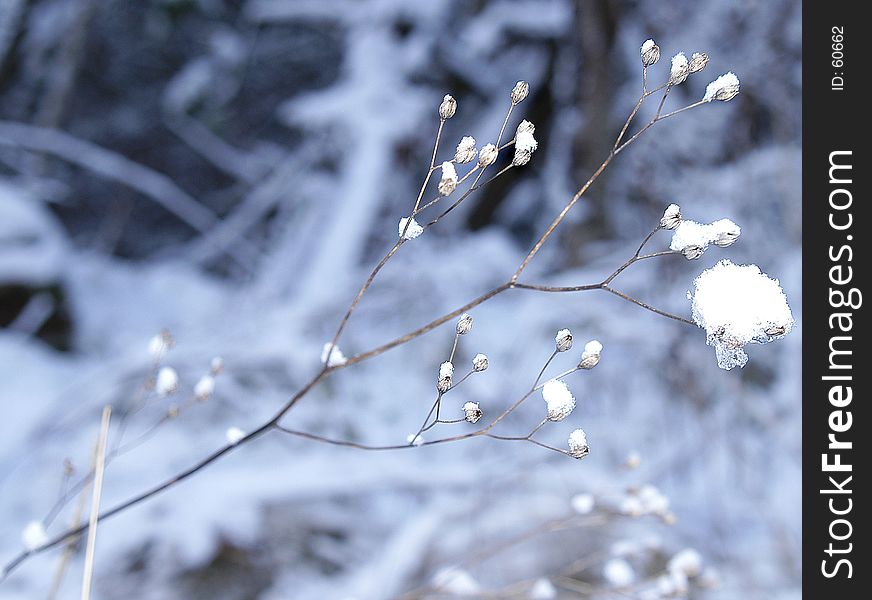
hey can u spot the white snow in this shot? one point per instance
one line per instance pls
(448, 181)
(446, 370)
(34, 535)
(542, 589)
(337, 358)
(563, 339)
(647, 45)
(204, 387)
(234, 435)
(687, 562)
(167, 381)
(559, 401)
(738, 305)
(618, 572)
(412, 232)
(583, 504)
(525, 141)
(480, 362)
(456, 581)
(690, 236)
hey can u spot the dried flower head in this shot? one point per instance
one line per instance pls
(464, 324)
(465, 151)
(650, 53)
(519, 92)
(698, 61)
(671, 217)
(687, 562)
(472, 412)
(525, 126)
(724, 88)
(559, 401)
(448, 182)
(563, 340)
(446, 373)
(448, 107)
(578, 444)
(726, 232)
(692, 251)
(618, 572)
(412, 231)
(591, 355)
(479, 363)
(583, 504)
(167, 381)
(679, 70)
(487, 156)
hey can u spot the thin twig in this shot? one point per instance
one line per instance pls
(99, 464)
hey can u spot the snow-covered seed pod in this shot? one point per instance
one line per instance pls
(479, 363)
(487, 155)
(650, 53)
(577, 441)
(698, 61)
(679, 70)
(216, 365)
(34, 535)
(472, 412)
(519, 92)
(160, 344)
(446, 373)
(464, 324)
(671, 217)
(448, 107)
(591, 355)
(563, 340)
(465, 151)
(724, 88)
(448, 182)
(525, 144)
(559, 401)
(726, 232)
(167, 381)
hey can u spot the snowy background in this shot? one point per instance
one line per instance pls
(231, 170)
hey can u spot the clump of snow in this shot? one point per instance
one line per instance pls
(583, 503)
(525, 143)
(167, 381)
(34, 535)
(456, 581)
(688, 562)
(336, 357)
(205, 387)
(724, 88)
(542, 589)
(558, 400)
(412, 232)
(692, 238)
(234, 435)
(618, 572)
(739, 305)
(415, 440)
(446, 370)
(160, 345)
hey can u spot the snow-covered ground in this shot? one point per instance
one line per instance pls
(230, 173)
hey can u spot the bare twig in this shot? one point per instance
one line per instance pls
(99, 463)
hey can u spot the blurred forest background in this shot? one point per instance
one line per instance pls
(231, 170)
